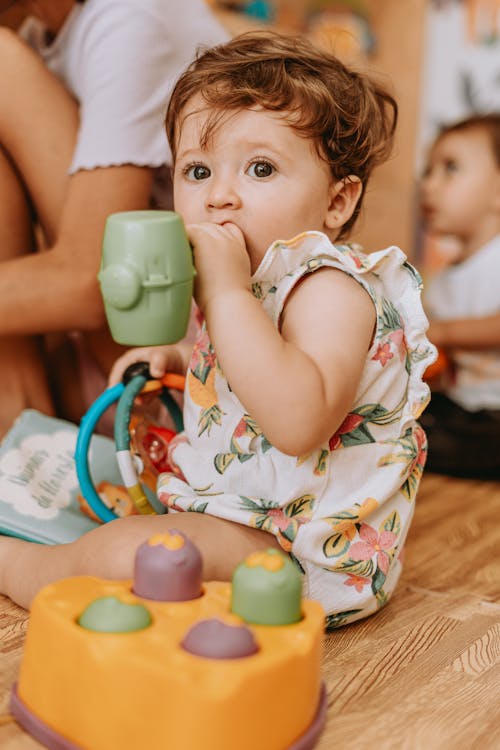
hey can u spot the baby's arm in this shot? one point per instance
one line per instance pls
(298, 384)
(466, 333)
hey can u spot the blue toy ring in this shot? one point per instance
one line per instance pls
(87, 426)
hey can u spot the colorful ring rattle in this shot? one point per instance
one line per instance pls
(136, 380)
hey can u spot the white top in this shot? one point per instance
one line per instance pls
(120, 59)
(342, 511)
(471, 289)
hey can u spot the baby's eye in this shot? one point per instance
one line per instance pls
(260, 169)
(196, 172)
(450, 166)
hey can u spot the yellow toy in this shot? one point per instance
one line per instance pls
(168, 662)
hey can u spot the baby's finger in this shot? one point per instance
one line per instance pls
(158, 363)
(234, 231)
(197, 232)
(121, 364)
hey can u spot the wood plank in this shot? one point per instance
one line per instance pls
(433, 684)
(13, 624)
(454, 541)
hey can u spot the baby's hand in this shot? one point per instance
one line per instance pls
(220, 258)
(159, 358)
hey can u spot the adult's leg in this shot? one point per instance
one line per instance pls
(109, 550)
(38, 125)
(23, 380)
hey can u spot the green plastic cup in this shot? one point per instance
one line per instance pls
(146, 277)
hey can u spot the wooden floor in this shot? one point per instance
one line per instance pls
(422, 674)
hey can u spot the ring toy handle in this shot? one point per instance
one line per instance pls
(87, 427)
(122, 442)
(125, 395)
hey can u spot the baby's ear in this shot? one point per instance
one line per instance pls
(344, 196)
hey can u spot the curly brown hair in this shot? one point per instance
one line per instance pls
(350, 118)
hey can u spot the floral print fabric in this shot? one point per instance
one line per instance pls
(343, 511)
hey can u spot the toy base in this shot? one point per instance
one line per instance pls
(54, 741)
(35, 726)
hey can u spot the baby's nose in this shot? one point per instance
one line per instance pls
(222, 194)
(427, 183)
(430, 176)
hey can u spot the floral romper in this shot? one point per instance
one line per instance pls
(343, 511)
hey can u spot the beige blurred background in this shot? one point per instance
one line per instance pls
(398, 28)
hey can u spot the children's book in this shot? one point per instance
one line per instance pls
(39, 491)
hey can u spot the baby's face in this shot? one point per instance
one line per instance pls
(461, 187)
(255, 172)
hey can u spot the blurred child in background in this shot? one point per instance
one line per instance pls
(461, 199)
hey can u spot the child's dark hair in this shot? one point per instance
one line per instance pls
(350, 118)
(489, 123)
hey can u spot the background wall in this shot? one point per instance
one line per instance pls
(389, 214)
(398, 26)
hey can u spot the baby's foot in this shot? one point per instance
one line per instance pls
(9, 549)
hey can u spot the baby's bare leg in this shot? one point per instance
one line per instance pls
(108, 551)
